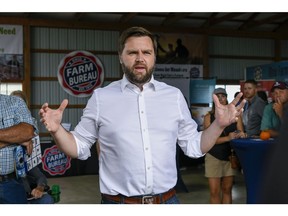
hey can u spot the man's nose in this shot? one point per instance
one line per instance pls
(139, 58)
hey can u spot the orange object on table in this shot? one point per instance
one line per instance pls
(265, 135)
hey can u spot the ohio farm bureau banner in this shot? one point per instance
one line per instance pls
(79, 73)
(11, 52)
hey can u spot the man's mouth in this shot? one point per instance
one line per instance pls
(140, 68)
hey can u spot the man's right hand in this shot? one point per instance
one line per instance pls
(278, 107)
(29, 146)
(52, 118)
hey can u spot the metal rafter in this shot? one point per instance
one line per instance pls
(126, 17)
(224, 18)
(174, 17)
(248, 21)
(267, 20)
(282, 27)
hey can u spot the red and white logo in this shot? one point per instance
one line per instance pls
(80, 72)
(55, 162)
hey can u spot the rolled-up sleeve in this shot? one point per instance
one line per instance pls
(83, 148)
(86, 132)
(189, 139)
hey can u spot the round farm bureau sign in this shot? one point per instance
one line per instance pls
(55, 162)
(80, 72)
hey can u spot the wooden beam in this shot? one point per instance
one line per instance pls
(282, 27)
(223, 18)
(127, 17)
(248, 21)
(242, 57)
(267, 20)
(78, 16)
(209, 20)
(174, 17)
(66, 51)
(27, 62)
(121, 26)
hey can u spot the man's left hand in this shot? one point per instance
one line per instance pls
(228, 114)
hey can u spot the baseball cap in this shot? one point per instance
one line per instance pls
(280, 85)
(220, 91)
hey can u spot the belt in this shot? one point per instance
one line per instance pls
(146, 199)
(4, 178)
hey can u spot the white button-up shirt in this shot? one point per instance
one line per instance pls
(138, 132)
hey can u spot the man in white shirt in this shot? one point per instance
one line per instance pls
(138, 137)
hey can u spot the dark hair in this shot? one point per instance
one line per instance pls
(251, 81)
(263, 95)
(179, 41)
(135, 32)
(19, 93)
(236, 93)
(212, 111)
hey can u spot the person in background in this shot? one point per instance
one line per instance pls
(235, 95)
(181, 51)
(273, 112)
(263, 96)
(22, 95)
(16, 128)
(35, 182)
(273, 185)
(36, 187)
(159, 48)
(217, 165)
(137, 139)
(171, 53)
(252, 115)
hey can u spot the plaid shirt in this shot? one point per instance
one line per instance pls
(13, 111)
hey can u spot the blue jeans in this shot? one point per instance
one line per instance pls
(172, 200)
(12, 192)
(45, 199)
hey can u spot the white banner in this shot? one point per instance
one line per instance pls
(178, 75)
(11, 39)
(11, 52)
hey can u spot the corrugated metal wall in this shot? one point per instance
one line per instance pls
(232, 68)
(241, 46)
(229, 68)
(284, 49)
(45, 64)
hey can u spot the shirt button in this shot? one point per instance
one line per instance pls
(148, 168)
(142, 112)
(146, 149)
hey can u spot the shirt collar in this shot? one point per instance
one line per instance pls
(254, 99)
(152, 84)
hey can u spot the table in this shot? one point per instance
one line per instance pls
(252, 157)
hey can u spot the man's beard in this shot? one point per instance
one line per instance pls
(140, 80)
